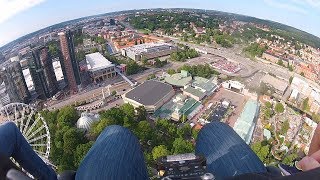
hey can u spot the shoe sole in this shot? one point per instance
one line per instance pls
(283, 171)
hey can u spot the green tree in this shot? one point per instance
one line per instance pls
(267, 113)
(53, 49)
(265, 150)
(255, 49)
(144, 130)
(268, 104)
(80, 55)
(99, 40)
(280, 62)
(184, 131)
(115, 115)
(98, 127)
(260, 150)
(159, 151)
(290, 79)
(133, 68)
(71, 139)
(302, 74)
(285, 127)
(151, 76)
(171, 71)
(67, 116)
(128, 110)
(256, 147)
(316, 117)
(93, 50)
(305, 104)
(195, 133)
(289, 160)
(81, 151)
(279, 108)
(141, 113)
(66, 163)
(181, 146)
(113, 93)
(144, 60)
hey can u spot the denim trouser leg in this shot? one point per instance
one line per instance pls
(115, 155)
(226, 153)
(13, 144)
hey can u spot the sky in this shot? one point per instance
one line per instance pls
(21, 17)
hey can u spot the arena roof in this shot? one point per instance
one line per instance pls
(150, 92)
(96, 61)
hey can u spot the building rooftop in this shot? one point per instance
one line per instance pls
(193, 91)
(179, 79)
(150, 92)
(149, 47)
(96, 61)
(275, 82)
(203, 83)
(245, 124)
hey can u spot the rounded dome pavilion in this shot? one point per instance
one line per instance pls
(86, 120)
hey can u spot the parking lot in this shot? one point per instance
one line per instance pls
(235, 99)
(226, 66)
(253, 82)
(218, 113)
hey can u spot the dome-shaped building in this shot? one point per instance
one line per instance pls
(86, 119)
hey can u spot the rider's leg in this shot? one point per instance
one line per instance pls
(226, 153)
(13, 144)
(315, 142)
(115, 155)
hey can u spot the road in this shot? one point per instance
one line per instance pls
(252, 66)
(97, 93)
(232, 54)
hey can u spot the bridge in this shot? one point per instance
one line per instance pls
(125, 78)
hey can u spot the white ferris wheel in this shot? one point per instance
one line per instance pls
(31, 124)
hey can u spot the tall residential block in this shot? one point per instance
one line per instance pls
(71, 66)
(42, 72)
(13, 87)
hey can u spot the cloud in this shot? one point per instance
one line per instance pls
(313, 3)
(287, 6)
(9, 8)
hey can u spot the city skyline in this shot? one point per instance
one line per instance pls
(33, 15)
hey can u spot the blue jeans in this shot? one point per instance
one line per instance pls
(13, 144)
(117, 155)
(226, 153)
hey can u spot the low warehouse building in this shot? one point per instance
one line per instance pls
(148, 51)
(151, 94)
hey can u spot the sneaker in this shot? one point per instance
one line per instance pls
(288, 170)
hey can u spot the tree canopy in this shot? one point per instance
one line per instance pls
(199, 70)
(181, 146)
(255, 49)
(184, 54)
(70, 145)
(279, 108)
(261, 151)
(159, 151)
